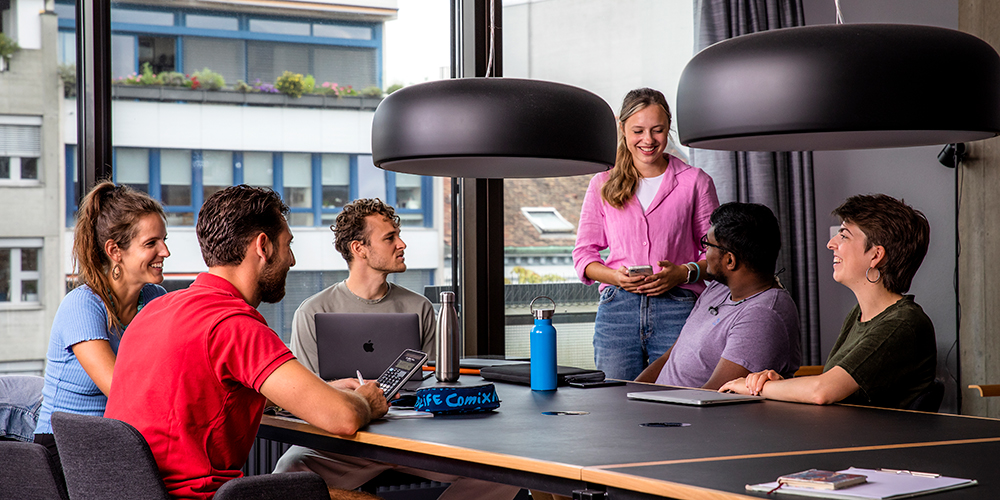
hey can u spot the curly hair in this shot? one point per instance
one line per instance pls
(231, 218)
(351, 226)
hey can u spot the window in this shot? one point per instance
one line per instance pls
(297, 188)
(176, 192)
(342, 31)
(158, 52)
(212, 22)
(279, 27)
(548, 221)
(131, 167)
(19, 270)
(20, 149)
(220, 55)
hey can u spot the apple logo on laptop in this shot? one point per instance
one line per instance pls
(369, 346)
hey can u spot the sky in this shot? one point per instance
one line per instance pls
(417, 47)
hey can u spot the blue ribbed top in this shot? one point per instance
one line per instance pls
(81, 317)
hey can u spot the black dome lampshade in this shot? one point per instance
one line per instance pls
(493, 128)
(843, 86)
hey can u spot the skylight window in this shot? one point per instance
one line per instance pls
(548, 221)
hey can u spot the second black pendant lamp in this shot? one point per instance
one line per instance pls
(843, 86)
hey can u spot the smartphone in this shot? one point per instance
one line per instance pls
(409, 363)
(599, 383)
(640, 270)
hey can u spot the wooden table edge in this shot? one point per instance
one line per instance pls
(658, 487)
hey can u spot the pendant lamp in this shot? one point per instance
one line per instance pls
(843, 86)
(493, 128)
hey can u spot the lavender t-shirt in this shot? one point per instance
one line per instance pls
(759, 333)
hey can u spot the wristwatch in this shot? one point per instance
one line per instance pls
(691, 270)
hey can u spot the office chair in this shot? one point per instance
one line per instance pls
(930, 399)
(28, 473)
(104, 458)
(987, 390)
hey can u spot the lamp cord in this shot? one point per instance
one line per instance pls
(840, 15)
(489, 60)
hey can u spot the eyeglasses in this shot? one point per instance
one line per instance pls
(705, 244)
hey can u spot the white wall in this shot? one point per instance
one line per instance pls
(912, 174)
(607, 47)
(27, 26)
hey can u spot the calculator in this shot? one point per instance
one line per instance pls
(400, 371)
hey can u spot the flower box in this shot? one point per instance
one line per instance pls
(175, 94)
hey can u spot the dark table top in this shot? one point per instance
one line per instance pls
(608, 437)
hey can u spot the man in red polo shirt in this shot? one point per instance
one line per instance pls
(195, 366)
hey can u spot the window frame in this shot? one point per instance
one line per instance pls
(18, 275)
(479, 288)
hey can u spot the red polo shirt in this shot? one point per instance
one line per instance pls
(187, 377)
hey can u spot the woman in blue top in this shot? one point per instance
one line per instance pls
(118, 249)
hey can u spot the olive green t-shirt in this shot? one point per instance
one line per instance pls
(892, 357)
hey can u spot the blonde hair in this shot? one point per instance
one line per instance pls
(108, 212)
(621, 184)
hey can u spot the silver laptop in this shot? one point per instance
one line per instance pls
(369, 342)
(694, 397)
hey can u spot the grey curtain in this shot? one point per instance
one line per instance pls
(782, 181)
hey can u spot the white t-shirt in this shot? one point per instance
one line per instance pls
(647, 189)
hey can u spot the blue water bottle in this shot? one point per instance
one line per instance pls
(543, 348)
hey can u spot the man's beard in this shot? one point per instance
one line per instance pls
(720, 278)
(271, 283)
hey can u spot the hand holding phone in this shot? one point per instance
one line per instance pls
(640, 271)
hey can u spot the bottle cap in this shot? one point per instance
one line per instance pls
(447, 297)
(542, 313)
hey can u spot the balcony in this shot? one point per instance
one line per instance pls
(180, 94)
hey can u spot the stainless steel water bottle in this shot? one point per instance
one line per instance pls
(448, 341)
(543, 348)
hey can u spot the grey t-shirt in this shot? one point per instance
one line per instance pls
(759, 333)
(338, 298)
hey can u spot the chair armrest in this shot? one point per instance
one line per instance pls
(807, 370)
(987, 391)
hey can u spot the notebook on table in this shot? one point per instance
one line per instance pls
(520, 373)
(694, 397)
(367, 342)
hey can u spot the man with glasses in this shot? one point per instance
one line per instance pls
(744, 321)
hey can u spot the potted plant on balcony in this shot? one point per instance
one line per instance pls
(7, 49)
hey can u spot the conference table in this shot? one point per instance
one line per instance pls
(594, 441)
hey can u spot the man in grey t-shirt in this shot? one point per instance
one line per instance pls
(367, 236)
(744, 321)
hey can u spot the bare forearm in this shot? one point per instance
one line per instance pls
(601, 273)
(825, 389)
(652, 372)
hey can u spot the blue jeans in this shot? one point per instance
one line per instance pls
(631, 329)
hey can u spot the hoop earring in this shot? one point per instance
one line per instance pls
(876, 280)
(116, 272)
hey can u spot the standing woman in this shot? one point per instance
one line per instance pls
(651, 209)
(118, 248)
